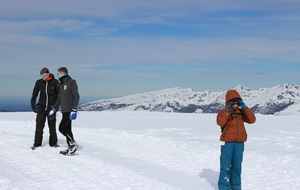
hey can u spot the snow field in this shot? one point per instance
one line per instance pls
(145, 150)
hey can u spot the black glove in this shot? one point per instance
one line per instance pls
(35, 108)
(52, 114)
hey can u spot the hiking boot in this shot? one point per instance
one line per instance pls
(34, 146)
(73, 147)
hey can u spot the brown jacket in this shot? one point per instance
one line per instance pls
(233, 129)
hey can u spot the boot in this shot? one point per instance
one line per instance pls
(72, 147)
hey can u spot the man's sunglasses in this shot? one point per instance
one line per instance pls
(45, 74)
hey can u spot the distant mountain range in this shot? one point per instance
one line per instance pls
(278, 100)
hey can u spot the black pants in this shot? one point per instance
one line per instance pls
(65, 127)
(39, 128)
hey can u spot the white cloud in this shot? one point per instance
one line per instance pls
(19, 41)
(123, 51)
(87, 35)
(35, 26)
(120, 8)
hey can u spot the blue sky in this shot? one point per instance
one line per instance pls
(116, 48)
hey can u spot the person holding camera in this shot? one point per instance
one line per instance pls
(47, 88)
(231, 119)
(68, 101)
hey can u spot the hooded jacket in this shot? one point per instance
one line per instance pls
(68, 96)
(47, 91)
(232, 125)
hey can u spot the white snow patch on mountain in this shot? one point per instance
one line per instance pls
(278, 100)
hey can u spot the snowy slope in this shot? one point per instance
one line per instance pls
(278, 100)
(146, 151)
(167, 100)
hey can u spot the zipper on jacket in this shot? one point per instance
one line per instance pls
(46, 95)
(237, 128)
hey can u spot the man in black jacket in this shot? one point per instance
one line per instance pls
(68, 101)
(47, 88)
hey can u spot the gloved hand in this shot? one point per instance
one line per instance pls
(73, 114)
(242, 104)
(52, 113)
(35, 108)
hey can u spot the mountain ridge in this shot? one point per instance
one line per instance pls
(278, 100)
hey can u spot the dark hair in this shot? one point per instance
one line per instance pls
(63, 70)
(44, 70)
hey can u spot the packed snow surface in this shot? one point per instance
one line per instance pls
(146, 151)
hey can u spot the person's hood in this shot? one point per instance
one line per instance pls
(232, 94)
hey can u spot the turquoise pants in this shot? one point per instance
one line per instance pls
(231, 166)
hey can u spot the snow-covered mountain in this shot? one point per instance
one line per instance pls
(278, 100)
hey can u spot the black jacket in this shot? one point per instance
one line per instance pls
(68, 96)
(47, 91)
